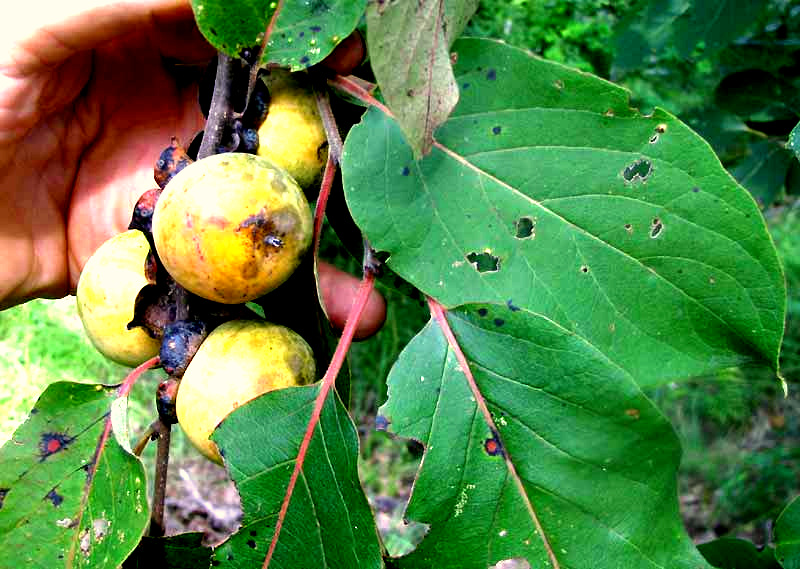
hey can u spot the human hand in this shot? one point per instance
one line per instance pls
(86, 104)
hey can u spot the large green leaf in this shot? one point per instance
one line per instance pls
(763, 171)
(733, 553)
(409, 48)
(787, 536)
(305, 31)
(682, 24)
(52, 514)
(794, 141)
(547, 192)
(596, 460)
(181, 551)
(329, 522)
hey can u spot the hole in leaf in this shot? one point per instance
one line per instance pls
(654, 139)
(584, 269)
(662, 128)
(629, 228)
(525, 227)
(513, 563)
(559, 84)
(640, 169)
(484, 262)
(656, 228)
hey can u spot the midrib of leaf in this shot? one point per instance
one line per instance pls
(483, 173)
(438, 313)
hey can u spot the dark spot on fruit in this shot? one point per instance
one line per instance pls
(381, 423)
(406, 171)
(497, 130)
(3, 493)
(51, 443)
(251, 544)
(482, 312)
(639, 170)
(511, 306)
(484, 262)
(56, 498)
(491, 75)
(499, 322)
(274, 241)
(492, 446)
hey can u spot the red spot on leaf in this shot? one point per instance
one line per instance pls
(51, 443)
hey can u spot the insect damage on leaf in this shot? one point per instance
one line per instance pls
(484, 262)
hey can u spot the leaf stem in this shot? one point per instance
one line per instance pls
(353, 318)
(329, 124)
(353, 89)
(438, 313)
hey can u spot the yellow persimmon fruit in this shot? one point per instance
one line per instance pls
(292, 135)
(107, 289)
(232, 227)
(237, 362)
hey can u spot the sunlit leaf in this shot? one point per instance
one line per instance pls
(596, 462)
(329, 522)
(787, 536)
(52, 512)
(545, 191)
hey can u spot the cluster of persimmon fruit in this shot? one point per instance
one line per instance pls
(215, 234)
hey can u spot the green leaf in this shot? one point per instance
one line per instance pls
(51, 513)
(596, 460)
(732, 553)
(547, 192)
(182, 551)
(329, 522)
(409, 52)
(757, 95)
(304, 34)
(682, 24)
(794, 141)
(787, 536)
(763, 171)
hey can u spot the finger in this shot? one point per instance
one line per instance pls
(339, 290)
(347, 55)
(45, 38)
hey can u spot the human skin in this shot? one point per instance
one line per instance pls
(89, 95)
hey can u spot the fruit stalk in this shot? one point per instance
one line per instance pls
(221, 111)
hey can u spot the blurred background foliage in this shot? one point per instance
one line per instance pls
(730, 69)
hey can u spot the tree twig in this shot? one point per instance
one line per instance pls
(164, 433)
(220, 112)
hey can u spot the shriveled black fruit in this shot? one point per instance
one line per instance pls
(166, 394)
(142, 218)
(248, 141)
(172, 160)
(153, 310)
(181, 342)
(257, 108)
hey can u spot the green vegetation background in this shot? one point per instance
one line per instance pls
(740, 434)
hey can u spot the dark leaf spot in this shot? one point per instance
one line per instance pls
(499, 322)
(654, 139)
(695, 190)
(254, 533)
(662, 128)
(482, 312)
(406, 171)
(34, 411)
(491, 75)
(525, 228)
(484, 262)
(511, 306)
(301, 34)
(51, 443)
(316, 29)
(55, 497)
(640, 169)
(251, 544)
(229, 557)
(493, 446)
(497, 130)
(3, 493)
(381, 423)
(215, 563)
(213, 31)
(304, 59)
(656, 228)
(584, 269)
(465, 86)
